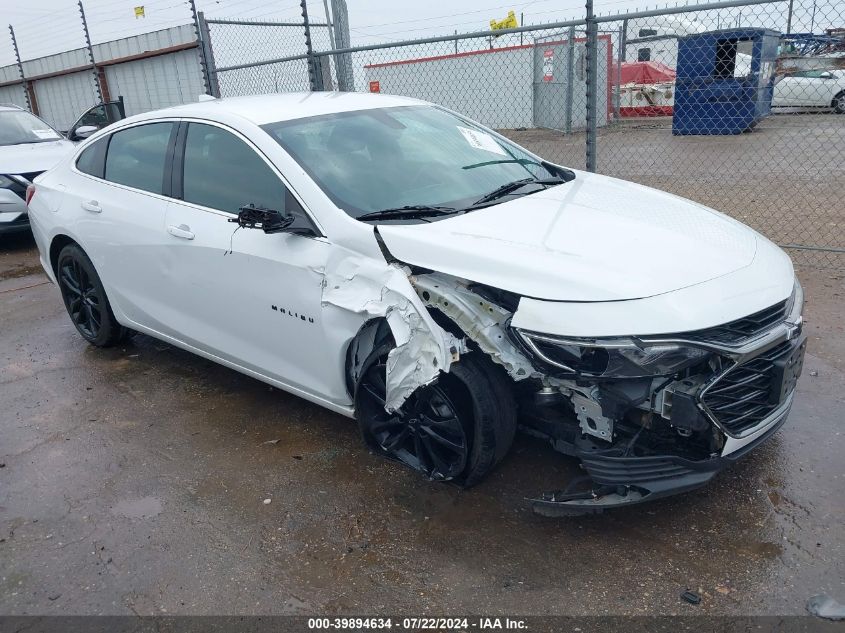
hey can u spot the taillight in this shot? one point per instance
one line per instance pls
(30, 191)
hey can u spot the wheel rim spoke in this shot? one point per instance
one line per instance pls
(441, 468)
(70, 283)
(385, 425)
(394, 441)
(442, 440)
(419, 452)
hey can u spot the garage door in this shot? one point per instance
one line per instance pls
(157, 82)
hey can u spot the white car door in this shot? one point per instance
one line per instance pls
(809, 88)
(249, 297)
(121, 209)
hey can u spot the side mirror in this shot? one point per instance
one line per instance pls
(273, 221)
(825, 75)
(83, 132)
(268, 220)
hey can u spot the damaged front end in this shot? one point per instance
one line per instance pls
(646, 416)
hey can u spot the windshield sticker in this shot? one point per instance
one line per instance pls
(480, 140)
(45, 134)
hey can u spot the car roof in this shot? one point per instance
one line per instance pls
(261, 109)
(9, 107)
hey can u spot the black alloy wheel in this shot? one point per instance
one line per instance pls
(85, 298)
(456, 428)
(427, 433)
(83, 302)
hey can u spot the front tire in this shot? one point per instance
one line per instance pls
(454, 429)
(839, 103)
(85, 298)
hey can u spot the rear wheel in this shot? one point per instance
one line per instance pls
(85, 299)
(457, 428)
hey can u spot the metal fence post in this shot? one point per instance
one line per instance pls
(570, 80)
(91, 53)
(209, 68)
(20, 68)
(592, 85)
(315, 76)
(342, 62)
(198, 35)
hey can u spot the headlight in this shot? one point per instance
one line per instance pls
(795, 305)
(612, 358)
(5, 182)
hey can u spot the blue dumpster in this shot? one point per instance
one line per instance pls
(724, 80)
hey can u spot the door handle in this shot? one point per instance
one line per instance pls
(92, 206)
(183, 231)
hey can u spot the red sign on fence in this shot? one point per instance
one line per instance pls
(375, 87)
(548, 64)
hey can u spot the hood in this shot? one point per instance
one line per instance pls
(593, 239)
(24, 159)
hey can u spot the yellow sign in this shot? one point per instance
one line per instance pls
(139, 12)
(509, 22)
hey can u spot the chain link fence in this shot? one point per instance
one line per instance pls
(260, 57)
(739, 105)
(740, 108)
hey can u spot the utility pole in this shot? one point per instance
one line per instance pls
(91, 54)
(330, 23)
(813, 17)
(20, 68)
(342, 62)
(789, 18)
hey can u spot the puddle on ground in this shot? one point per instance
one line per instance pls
(144, 508)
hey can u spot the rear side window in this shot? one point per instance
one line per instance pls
(92, 160)
(222, 172)
(136, 157)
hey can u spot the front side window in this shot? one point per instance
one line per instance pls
(18, 127)
(136, 156)
(222, 172)
(370, 160)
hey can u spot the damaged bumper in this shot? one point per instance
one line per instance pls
(622, 481)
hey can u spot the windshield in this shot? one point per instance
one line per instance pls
(387, 158)
(18, 127)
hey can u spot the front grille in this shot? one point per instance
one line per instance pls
(30, 176)
(19, 188)
(751, 391)
(614, 471)
(746, 327)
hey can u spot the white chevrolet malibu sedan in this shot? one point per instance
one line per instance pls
(396, 262)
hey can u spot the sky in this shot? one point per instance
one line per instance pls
(48, 26)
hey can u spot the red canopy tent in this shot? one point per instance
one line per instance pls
(644, 73)
(639, 92)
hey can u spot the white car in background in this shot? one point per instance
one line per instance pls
(398, 263)
(29, 146)
(811, 89)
